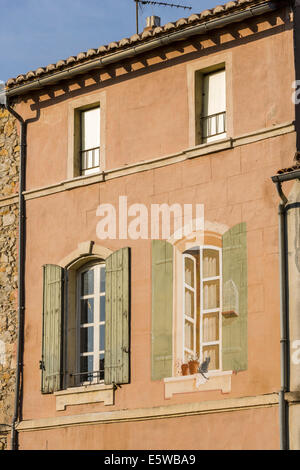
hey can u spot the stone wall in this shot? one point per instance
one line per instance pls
(9, 162)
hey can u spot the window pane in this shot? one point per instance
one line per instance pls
(86, 365)
(189, 335)
(102, 337)
(189, 303)
(210, 327)
(90, 129)
(102, 308)
(87, 282)
(211, 294)
(101, 366)
(214, 87)
(210, 263)
(87, 311)
(189, 267)
(102, 279)
(87, 339)
(213, 353)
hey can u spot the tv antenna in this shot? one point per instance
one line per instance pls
(139, 3)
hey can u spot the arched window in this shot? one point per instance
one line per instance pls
(91, 323)
(200, 301)
(86, 319)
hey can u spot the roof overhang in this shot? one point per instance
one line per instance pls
(133, 51)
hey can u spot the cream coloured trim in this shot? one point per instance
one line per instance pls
(194, 152)
(7, 201)
(84, 395)
(205, 65)
(263, 134)
(81, 103)
(86, 249)
(143, 414)
(292, 397)
(197, 383)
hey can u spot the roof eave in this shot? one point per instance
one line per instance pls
(132, 51)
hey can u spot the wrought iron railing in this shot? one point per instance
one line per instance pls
(90, 159)
(89, 376)
(214, 124)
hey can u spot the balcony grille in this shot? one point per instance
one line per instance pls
(213, 125)
(90, 159)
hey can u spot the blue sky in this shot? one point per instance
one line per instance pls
(35, 33)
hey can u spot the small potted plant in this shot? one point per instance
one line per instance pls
(180, 368)
(193, 364)
(184, 369)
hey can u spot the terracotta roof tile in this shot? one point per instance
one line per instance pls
(123, 42)
(91, 52)
(146, 34)
(71, 60)
(50, 67)
(219, 10)
(181, 22)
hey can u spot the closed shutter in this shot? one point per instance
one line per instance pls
(52, 328)
(235, 299)
(117, 317)
(162, 309)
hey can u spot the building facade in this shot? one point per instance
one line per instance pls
(185, 124)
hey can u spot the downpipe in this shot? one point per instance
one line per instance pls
(21, 275)
(284, 329)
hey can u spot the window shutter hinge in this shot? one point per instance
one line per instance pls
(116, 386)
(42, 365)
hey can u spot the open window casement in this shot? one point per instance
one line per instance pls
(53, 300)
(206, 328)
(162, 309)
(214, 106)
(117, 317)
(117, 324)
(235, 299)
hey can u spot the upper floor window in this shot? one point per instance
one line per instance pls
(214, 106)
(90, 141)
(210, 105)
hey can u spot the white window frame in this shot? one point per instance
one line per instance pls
(214, 310)
(202, 310)
(96, 323)
(218, 117)
(187, 317)
(94, 153)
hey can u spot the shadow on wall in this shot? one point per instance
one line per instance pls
(204, 45)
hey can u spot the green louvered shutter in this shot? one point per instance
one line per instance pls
(117, 317)
(162, 309)
(52, 328)
(235, 299)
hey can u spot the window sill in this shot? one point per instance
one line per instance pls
(209, 147)
(85, 395)
(197, 383)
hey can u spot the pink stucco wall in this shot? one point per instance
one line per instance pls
(147, 117)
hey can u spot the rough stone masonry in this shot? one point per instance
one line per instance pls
(9, 170)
